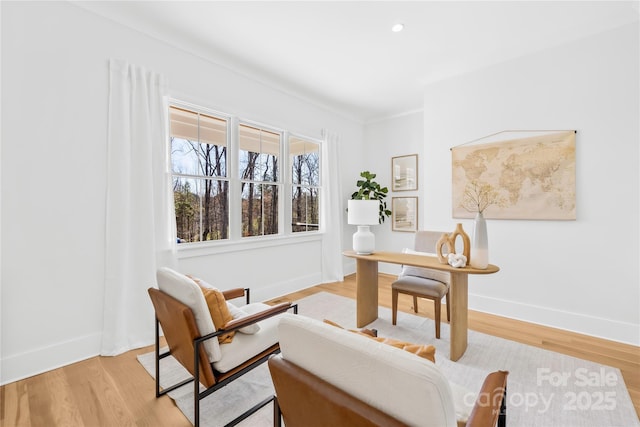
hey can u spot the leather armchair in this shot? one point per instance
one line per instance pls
(181, 310)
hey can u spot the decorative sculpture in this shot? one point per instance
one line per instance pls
(449, 239)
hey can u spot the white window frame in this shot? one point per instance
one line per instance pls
(291, 184)
(279, 179)
(236, 242)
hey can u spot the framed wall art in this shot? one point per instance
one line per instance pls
(404, 173)
(404, 215)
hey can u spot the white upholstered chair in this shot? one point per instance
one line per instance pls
(184, 314)
(422, 282)
(331, 376)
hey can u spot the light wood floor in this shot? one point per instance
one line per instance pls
(116, 391)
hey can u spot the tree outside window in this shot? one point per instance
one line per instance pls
(200, 183)
(259, 150)
(305, 179)
(217, 201)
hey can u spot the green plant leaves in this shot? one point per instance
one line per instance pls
(369, 189)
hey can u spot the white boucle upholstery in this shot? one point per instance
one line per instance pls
(238, 313)
(245, 346)
(410, 388)
(427, 273)
(185, 290)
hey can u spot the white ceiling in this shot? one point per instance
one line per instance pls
(343, 55)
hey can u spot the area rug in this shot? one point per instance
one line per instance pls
(544, 388)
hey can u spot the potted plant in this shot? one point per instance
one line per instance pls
(369, 189)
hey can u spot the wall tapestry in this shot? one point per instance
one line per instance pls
(516, 175)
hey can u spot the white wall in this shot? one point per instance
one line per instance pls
(581, 275)
(395, 136)
(54, 115)
(578, 275)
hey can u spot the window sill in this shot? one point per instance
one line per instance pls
(190, 250)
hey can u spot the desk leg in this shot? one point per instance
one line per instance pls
(366, 292)
(459, 306)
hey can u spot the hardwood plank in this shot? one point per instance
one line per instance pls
(14, 402)
(137, 389)
(51, 401)
(97, 395)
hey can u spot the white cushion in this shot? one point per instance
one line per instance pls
(189, 293)
(463, 401)
(407, 387)
(427, 273)
(246, 310)
(245, 346)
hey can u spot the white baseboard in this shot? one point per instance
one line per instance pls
(24, 365)
(608, 329)
(274, 290)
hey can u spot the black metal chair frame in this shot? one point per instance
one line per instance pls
(218, 385)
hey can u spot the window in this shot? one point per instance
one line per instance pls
(305, 179)
(200, 182)
(237, 180)
(259, 150)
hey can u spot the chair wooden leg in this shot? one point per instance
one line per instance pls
(436, 303)
(415, 304)
(448, 309)
(394, 306)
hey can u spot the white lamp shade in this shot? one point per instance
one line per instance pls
(363, 212)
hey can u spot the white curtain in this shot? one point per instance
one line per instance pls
(140, 233)
(332, 212)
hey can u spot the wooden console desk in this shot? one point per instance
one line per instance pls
(367, 290)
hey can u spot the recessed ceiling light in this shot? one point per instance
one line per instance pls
(397, 28)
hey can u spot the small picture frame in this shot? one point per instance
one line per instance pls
(404, 215)
(404, 173)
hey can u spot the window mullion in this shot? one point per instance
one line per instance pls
(285, 185)
(235, 184)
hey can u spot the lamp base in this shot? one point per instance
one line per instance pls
(364, 241)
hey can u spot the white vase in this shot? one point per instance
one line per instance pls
(479, 243)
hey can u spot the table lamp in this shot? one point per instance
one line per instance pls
(363, 213)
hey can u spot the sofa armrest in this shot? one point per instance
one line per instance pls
(490, 407)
